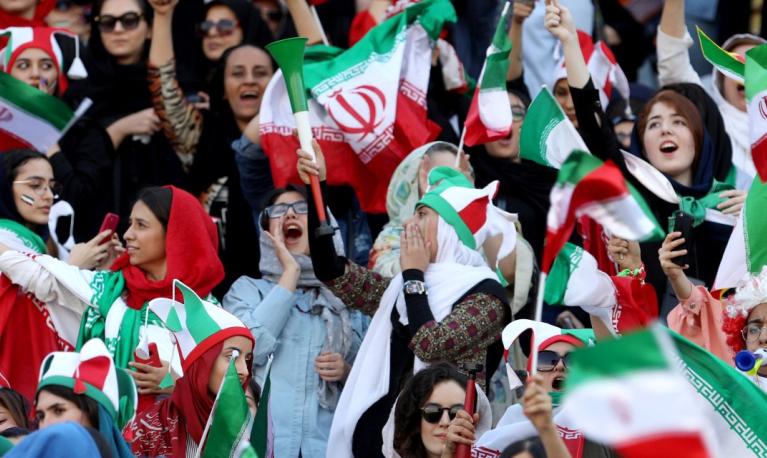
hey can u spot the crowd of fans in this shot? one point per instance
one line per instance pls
(366, 336)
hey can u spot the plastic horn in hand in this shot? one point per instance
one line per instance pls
(289, 54)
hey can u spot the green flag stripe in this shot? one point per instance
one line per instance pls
(27, 237)
(34, 102)
(542, 117)
(577, 166)
(718, 56)
(497, 62)
(230, 417)
(377, 45)
(259, 434)
(615, 358)
(756, 71)
(658, 233)
(754, 222)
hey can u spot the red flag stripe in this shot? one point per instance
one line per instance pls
(759, 155)
(673, 445)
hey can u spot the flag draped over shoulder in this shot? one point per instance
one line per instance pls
(489, 116)
(587, 186)
(547, 136)
(756, 96)
(656, 390)
(367, 104)
(231, 419)
(30, 118)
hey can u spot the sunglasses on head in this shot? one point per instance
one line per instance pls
(548, 360)
(107, 22)
(224, 27)
(277, 210)
(432, 413)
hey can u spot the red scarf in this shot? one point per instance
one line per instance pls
(38, 20)
(191, 251)
(162, 429)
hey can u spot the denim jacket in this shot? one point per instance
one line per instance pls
(283, 324)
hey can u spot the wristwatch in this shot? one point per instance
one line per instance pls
(414, 287)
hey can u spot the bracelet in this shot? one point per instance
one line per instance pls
(638, 273)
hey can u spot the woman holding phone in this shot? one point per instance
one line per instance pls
(169, 237)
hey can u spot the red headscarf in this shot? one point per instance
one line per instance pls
(162, 429)
(191, 250)
(41, 10)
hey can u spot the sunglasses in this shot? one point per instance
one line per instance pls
(277, 210)
(548, 360)
(432, 413)
(224, 27)
(129, 21)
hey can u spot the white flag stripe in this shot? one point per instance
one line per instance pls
(494, 108)
(28, 128)
(622, 215)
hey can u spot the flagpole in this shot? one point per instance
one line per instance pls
(316, 17)
(538, 318)
(235, 354)
(81, 109)
(460, 148)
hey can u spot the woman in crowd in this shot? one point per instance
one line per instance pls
(459, 320)
(208, 340)
(679, 133)
(117, 64)
(170, 238)
(27, 192)
(674, 67)
(428, 403)
(295, 317)
(45, 58)
(13, 410)
(25, 13)
(88, 389)
(239, 81)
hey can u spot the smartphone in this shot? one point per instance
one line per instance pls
(681, 222)
(194, 98)
(111, 220)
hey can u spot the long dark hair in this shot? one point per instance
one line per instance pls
(159, 200)
(96, 45)
(87, 405)
(531, 445)
(407, 412)
(217, 102)
(16, 405)
(10, 164)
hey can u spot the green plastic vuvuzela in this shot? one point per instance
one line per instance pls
(289, 54)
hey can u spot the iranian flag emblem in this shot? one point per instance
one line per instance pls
(367, 104)
(756, 95)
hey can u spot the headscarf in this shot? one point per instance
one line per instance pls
(38, 20)
(191, 251)
(54, 440)
(401, 198)
(338, 328)
(163, 428)
(8, 208)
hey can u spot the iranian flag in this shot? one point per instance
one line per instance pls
(547, 135)
(367, 104)
(261, 434)
(587, 186)
(230, 418)
(629, 396)
(30, 118)
(730, 64)
(489, 116)
(756, 95)
(655, 390)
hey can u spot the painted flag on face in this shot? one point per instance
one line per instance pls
(489, 116)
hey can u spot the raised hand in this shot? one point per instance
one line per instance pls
(163, 7)
(307, 166)
(461, 431)
(537, 404)
(91, 254)
(559, 21)
(414, 251)
(624, 252)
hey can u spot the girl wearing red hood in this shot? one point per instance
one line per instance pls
(169, 238)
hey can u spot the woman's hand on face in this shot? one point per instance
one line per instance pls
(414, 251)
(331, 367)
(307, 166)
(734, 203)
(625, 253)
(537, 404)
(668, 251)
(144, 122)
(91, 254)
(462, 430)
(163, 7)
(559, 21)
(285, 257)
(148, 378)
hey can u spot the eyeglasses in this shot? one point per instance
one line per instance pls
(548, 360)
(224, 26)
(275, 211)
(432, 413)
(752, 332)
(40, 185)
(129, 21)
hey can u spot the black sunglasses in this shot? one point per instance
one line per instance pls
(275, 211)
(548, 360)
(432, 413)
(224, 27)
(129, 21)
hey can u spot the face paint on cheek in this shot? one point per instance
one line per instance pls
(29, 200)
